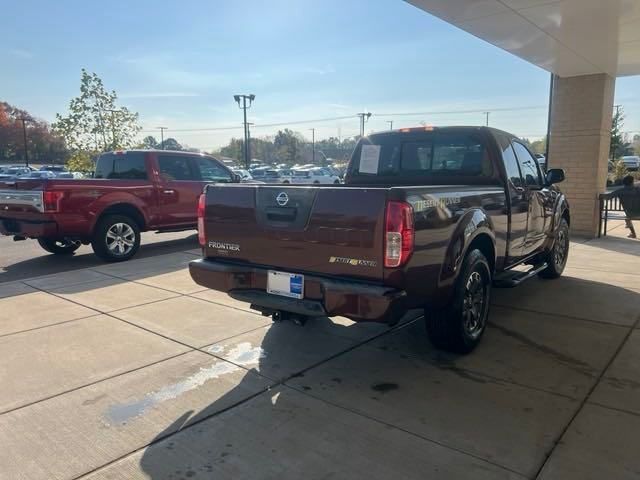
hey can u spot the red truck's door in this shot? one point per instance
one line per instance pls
(179, 187)
(336, 231)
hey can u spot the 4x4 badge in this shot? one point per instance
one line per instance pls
(282, 199)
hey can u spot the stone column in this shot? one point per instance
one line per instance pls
(581, 111)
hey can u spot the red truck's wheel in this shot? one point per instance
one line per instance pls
(459, 326)
(116, 238)
(59, 247)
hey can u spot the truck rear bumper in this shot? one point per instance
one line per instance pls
(323, 296)
(28, 228)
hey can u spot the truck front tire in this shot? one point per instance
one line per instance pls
(59, 247)
(458, 327)
(116, 238)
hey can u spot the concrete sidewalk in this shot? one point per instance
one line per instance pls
(133, 371)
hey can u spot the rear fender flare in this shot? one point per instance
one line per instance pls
(472, 224)
(106, 202)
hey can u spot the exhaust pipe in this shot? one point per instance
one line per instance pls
(18, 238)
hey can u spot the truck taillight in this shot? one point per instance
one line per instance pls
(399, 233)
(201, 203)
(51, 201)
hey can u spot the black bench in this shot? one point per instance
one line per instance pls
(609, 203)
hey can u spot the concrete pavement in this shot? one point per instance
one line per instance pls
(133, 371)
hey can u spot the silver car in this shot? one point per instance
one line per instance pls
(632, 162)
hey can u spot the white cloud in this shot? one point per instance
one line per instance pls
(20, 53)
(159, 95)
(327, 69)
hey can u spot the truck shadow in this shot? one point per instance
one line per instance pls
(47, 264)
(255, 432)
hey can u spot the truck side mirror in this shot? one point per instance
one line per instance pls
(236, 178)
(555, 175)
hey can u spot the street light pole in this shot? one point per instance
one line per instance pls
(162, 129)
(390, 122)
(313, 145)
(24, 136)
(244, 107)
(363, 116)
(487, 115)
(249, 138)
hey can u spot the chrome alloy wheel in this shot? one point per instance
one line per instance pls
(120, 239)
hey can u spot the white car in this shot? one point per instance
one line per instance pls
(632, 162)
(314, 175)
(244, 174)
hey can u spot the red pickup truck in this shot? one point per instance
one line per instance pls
(131, 192)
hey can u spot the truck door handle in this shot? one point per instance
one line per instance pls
(169, 192)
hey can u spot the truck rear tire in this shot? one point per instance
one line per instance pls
(459, 326)
(59, 247)
(557, 257)
(116, 238)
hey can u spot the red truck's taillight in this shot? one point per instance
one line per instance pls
(399, 233)
(51, 201)
(201, 202)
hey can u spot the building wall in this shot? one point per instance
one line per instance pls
(580, 136)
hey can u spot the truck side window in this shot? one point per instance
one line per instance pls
(460, 155)
(122, 166)
(528, 165)
(175, 167)
(211, 171)
(511, 166)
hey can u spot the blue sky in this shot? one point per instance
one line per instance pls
(179, 63)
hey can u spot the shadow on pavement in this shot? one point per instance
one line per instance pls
(46, 264)
(617, 244)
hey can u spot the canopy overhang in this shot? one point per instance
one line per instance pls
(565, 37)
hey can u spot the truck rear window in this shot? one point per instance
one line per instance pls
(123, 166)
(426, 155)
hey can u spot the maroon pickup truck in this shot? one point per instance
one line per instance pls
(427, 218)
(132, 191)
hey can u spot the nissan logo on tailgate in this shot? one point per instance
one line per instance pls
(282, 199)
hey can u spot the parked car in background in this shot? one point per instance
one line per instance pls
(64, 174)
(14, 172)
(131, 192)
(631, 162)
(431, 219)
(53, 168)
(277, 175)
(542, 160)
(317, 175)
(39, 174)
(244, 174)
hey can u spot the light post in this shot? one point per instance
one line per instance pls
(363, 118)
(162, 129)
(313, 145)
(390, 122)
(243, 105)
(24, 136)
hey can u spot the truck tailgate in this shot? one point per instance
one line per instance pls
(324, 230)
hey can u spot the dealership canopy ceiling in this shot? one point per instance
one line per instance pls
(566, 37)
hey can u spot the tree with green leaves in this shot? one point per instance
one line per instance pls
(95, 122)
(619, 144)
(149, 142)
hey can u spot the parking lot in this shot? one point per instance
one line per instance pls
(133, 371)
